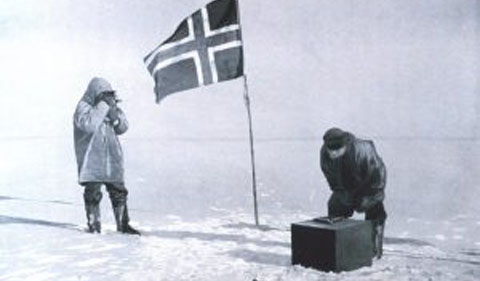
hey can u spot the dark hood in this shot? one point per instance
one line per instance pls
(336, 137)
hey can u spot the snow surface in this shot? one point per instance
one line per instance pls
(225, 247)
(46, 240)
(197, 224)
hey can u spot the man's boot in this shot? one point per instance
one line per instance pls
(93, 218)
(121, 218)
(378, 240)
(92, 197)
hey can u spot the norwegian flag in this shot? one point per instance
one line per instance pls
(205, 48)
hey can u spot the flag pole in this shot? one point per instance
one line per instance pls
(252, 150)
(246, 99)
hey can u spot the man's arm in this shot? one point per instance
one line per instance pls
(120, 125)
(373, 169)
(88, 118)
(328, 171)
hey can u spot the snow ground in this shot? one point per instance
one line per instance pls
(43, 246)
(199, 227)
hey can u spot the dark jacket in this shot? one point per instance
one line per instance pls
(359, 172)
(98, 151)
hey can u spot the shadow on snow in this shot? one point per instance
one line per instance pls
(240, 239)
(266, 258)
(19, 220)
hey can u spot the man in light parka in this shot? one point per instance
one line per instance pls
(97, 122)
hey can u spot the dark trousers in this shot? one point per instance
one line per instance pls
(342, 203)
(118, 196)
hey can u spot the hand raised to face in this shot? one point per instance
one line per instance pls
(113, 113)
(108, 97)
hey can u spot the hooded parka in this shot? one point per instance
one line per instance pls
(98, 151)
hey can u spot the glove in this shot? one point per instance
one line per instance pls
(108, 97)
(365, 204)
(113, 113)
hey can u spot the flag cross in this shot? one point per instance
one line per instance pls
(201, 44)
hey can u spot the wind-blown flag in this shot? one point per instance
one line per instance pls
(205, 48)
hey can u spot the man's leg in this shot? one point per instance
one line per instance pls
(118, 195)
(340, 205)
(377, 216)
(92, 196)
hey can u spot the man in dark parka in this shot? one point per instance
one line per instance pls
(97, 122)
(356, 175)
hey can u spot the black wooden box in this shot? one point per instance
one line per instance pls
(341, 246)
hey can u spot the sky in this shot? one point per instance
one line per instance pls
(309, 63)
(404, 73)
